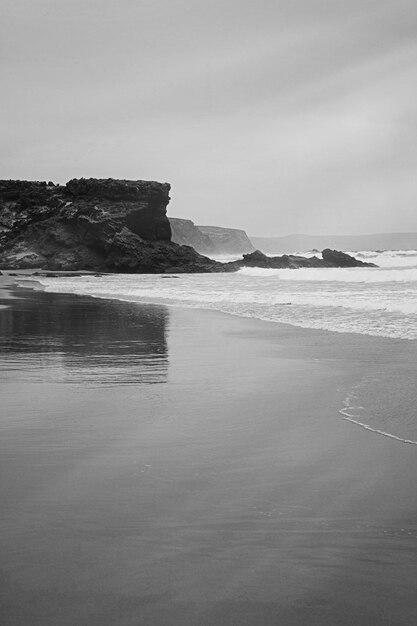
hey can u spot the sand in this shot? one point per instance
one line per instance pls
(173, 467)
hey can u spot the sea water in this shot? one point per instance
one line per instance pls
(378, 301)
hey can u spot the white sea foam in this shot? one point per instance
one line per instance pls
(342, 275)
(373, 301)
(348, 418)
(389, 258)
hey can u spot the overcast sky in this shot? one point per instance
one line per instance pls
(276, 116)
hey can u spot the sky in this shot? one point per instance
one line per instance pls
(275, 116)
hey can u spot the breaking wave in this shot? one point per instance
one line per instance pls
(387, 309)
(374, 301)
(342, 275)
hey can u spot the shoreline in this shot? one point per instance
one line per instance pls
(374, 430)
(289, 325)
(36, 285)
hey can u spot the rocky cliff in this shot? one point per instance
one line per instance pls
(186, 233)
(227, 240)
(115, 226)
(92, 224)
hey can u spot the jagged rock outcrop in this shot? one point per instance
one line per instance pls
(92, 224)
(330, 258)
(335, 258)
(227, 240)
(186, 233)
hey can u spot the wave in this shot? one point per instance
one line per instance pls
(389, 258)
(244, 295)
(340, 310)
(348, 418)
(387, 252)
(343, 275)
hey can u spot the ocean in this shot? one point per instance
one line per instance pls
(372, 301)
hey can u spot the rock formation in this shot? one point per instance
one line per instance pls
(335, 258)
(186, 233)
(331, 258)
(227, 240)
(92, 224)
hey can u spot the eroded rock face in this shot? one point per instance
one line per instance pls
(335, 258)
(331, 258)
(142, 204)
(92, 224)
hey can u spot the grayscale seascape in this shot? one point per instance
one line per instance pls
(208, 313)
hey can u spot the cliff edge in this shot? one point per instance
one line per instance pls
(186, 233)
(227, 240)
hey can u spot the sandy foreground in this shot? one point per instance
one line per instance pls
(162, 466)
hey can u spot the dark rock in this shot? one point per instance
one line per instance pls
(92, 224)
(334, 258)
(331, 258)
(140, 205)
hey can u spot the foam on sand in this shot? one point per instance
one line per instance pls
(348, 418)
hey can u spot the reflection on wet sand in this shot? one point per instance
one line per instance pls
(72, 339)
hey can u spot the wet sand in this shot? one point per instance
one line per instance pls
(171, 467)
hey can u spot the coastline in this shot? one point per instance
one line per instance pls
(233, 492)
(348, 411)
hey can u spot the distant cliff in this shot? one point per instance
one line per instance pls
(186, 233)
(92, 224)
(303, 243)
(211, 240)
(228, 240)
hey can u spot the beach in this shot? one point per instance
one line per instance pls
(163, 466)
